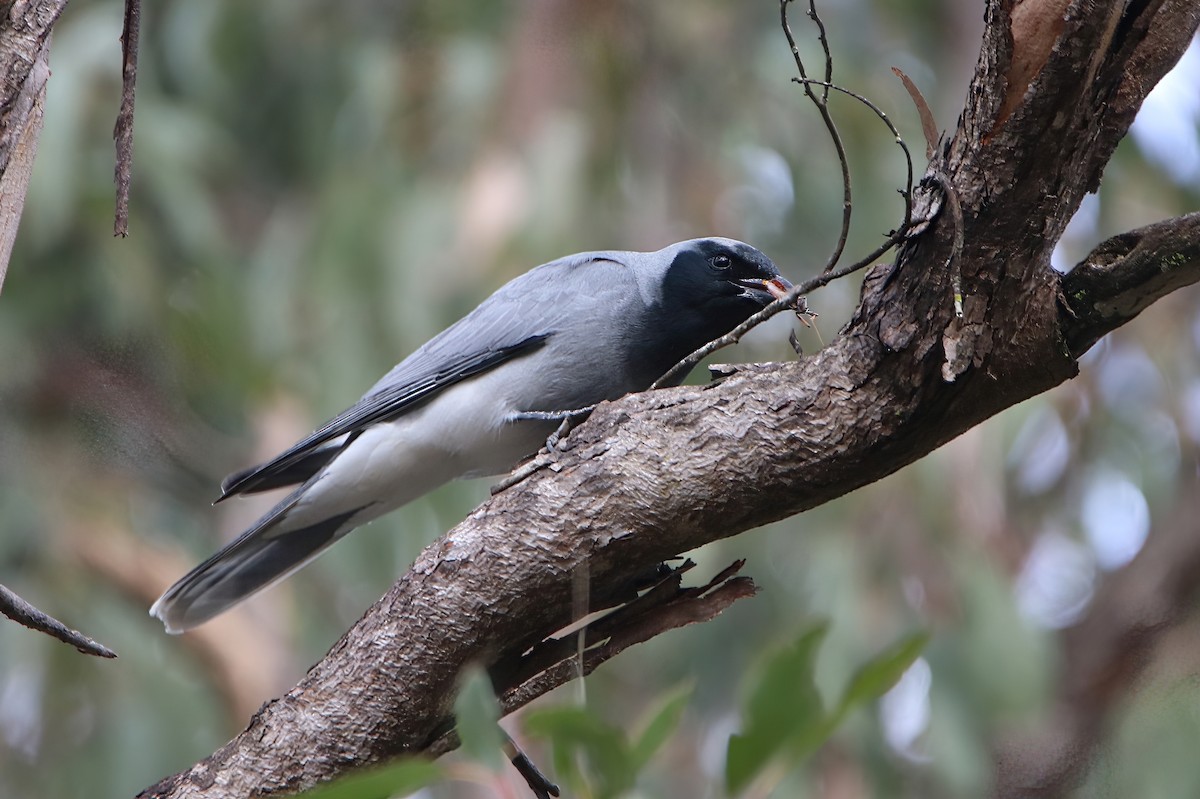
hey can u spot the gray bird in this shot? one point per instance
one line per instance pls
(480, 396)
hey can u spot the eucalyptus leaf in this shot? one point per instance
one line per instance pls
(578, 732)
(477, 715)
(877, 676)
(784, 710)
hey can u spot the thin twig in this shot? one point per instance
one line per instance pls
(823, 109)
(27, 615)
(123, 130)
(956, 214)
(824, 40)
(906, 192)
(784, 303)
(788, 301)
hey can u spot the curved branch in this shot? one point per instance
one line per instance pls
(660, 473)
(1125, 274)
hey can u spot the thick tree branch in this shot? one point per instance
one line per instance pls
(660, 473)
(1124, 275)
(24, 70)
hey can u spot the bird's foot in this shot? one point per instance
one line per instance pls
(567, 419)
(549, 454)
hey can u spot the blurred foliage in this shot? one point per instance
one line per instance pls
(397, 779)
(320, 187)
(785, 713)
(613, 760)
(475, 714)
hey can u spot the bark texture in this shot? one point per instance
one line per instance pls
(24, 70)
(660, 473)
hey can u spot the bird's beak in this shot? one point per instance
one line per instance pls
(776, 287)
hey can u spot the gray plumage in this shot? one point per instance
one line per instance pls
(473, 400)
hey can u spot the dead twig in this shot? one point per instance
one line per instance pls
(822, 104)
(123, 130)
(27, 615)
(956, 214)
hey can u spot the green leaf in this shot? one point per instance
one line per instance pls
(784, 709)
(575, 732)
(476, 715)
(398, 779)
(877, 676)
(659, 728)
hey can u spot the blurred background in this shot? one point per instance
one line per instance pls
(319, 187)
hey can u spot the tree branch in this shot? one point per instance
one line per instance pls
(1124, 275)
(27, 615)
(123, 129)
(24, 70)
(660, 473)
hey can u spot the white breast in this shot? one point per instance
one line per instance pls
(466, 431)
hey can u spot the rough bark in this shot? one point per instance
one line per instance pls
(660, 473)
(24, 70)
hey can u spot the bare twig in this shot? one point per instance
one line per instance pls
(27, 615)
(906, 192)
(956, 214)
(123, 130)
(822, 105)
(827, 276)
(824, 40)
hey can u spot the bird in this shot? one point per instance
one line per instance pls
(479, 397)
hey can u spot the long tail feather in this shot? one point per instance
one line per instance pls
(259, 557)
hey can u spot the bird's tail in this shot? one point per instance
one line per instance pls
(270, 550)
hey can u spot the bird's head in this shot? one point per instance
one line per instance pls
(717, 283)
(702, 288)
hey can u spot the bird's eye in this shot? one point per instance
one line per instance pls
(720, 261)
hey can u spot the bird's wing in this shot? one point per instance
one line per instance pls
(517, 320)
(309, 455)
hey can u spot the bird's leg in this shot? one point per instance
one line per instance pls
(568, 419)
(538, 782)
